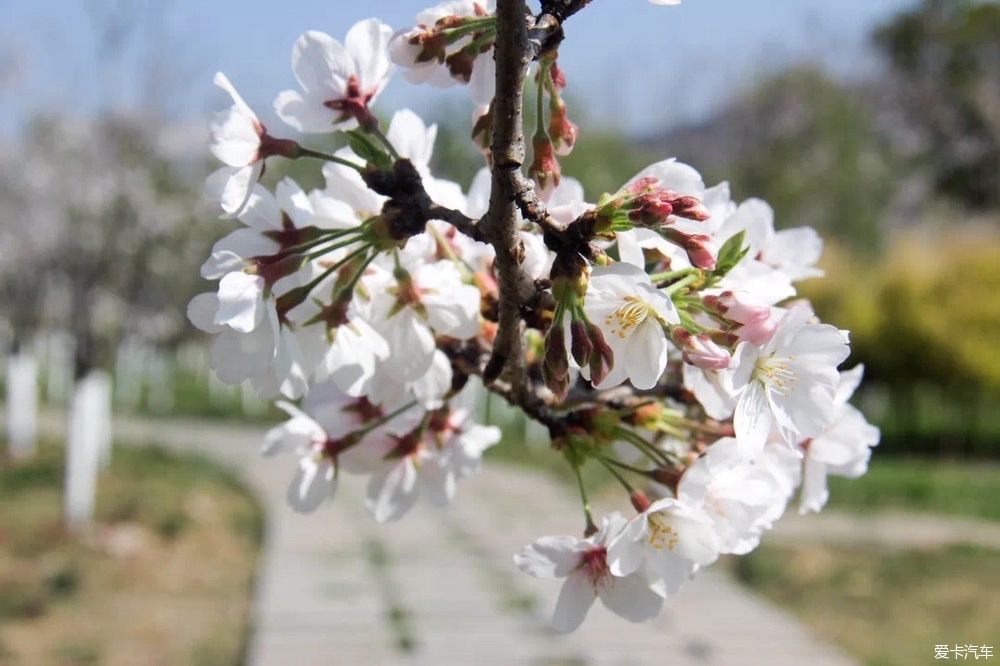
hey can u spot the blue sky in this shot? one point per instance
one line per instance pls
(640, 67)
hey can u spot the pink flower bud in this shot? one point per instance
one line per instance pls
(651, 211)
(651, 205)
(556, 362)
(558, 76)
(691, 208)
(640, 502)
(602, 359)
(699, 350)
(545, 169)
(580, 343)
(700, 248)
(562, 130)
(757, 322)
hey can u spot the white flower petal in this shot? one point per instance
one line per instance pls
(575, 599)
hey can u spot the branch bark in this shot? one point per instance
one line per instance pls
(513, 54)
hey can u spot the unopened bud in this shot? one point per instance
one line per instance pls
(558, 76)
(556, 361)
(691, 208)
(580, 343)
(757, 321)
(562, 130)
(602, 359)
(544, 169)
(650, 211)
(699, 350)
(700, 248)
(559, 385)
(639, 500)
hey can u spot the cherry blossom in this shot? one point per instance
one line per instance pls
(410, 306)
(631, 313)
(637, 596)
(650, 332)
(789, 383)
(339, 81)
(428, 462)
(671, 538)
(842, 449)
(451, 43)
(738, 496)
(236, 137)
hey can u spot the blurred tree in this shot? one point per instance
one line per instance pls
(101, 235)
(820, 159)
(945, 57)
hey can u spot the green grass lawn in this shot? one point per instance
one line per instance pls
(163, 577)
(883, 607)
(932, 486)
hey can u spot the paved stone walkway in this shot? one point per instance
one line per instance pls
(439, 587)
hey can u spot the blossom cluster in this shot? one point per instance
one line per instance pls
(665, 343)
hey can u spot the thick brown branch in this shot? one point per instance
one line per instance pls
(513, 55)
(469, 358)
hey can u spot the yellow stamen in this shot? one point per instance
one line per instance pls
(623, 320)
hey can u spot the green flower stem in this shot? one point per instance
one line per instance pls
(590, 528)
(376, 131)
(329, 271)
(485, 24)
(621, 479)
(680, 284)
(625, 466)
(336, 246)
(673, 275)
(308, 152)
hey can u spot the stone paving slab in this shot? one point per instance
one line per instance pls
(445, 586)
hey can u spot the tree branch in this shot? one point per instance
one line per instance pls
(513, 54)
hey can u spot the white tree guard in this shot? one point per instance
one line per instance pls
(22, 405)
(88, 446)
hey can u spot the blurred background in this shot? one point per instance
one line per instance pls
(878, 123)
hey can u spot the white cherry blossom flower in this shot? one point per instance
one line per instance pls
(431, 298)
(789, 383)
(236, 136)
(842, 449)
(622, 301)
(424, 56)
(267, 356)
(794, 252)
(428, 462)
(637, 597)
(428, 389)
(325, 435)
(671, 538)
(339, 81)
(315, 478)
(711, 390)
(735, 494)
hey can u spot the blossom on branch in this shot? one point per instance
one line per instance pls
(651, 333)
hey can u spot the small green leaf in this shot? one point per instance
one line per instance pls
(732, 253)
(368, 149)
